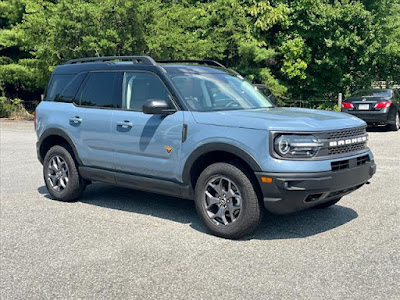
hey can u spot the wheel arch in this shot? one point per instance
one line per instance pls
(52, 137)
(210, 153)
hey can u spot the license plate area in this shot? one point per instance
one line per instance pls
(363, 106)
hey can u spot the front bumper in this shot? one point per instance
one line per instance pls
(290, 192)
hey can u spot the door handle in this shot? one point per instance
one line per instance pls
(125, 124)
(75, 120)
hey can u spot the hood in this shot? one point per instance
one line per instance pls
(280, 118)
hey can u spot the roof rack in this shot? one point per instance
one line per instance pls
(200, 62)
(146, 60)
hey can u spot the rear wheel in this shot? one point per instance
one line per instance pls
(328, 204)
(396, 125)
(226, 201)
(61, 175)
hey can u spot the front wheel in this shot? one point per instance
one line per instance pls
(226, 201)
(61, 175)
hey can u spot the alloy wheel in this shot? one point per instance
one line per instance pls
(222, 200)
(57, 173)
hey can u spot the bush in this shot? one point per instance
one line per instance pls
(13, 108)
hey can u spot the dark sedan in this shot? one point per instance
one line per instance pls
(375, 106)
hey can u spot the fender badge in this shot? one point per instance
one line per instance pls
(168, 149)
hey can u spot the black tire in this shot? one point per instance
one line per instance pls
(396, 125)
(249, 214)
(328, 204)
(75, 185)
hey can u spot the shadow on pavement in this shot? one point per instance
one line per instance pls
(299, 225)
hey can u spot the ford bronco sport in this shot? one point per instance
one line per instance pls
(195, 130)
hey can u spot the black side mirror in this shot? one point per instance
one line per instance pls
(157, 107)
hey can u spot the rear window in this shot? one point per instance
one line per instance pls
(374, 93)
(57, 85)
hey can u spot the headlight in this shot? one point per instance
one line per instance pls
(296, 146)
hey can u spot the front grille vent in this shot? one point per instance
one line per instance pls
(362, 160)
(340, 165)
(346, 148)
(343, 134)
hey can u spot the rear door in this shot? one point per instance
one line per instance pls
(146, 145)
(91, 119)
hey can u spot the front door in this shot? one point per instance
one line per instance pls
(146, 145)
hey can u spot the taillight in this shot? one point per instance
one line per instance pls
(347, 105)
(381, 105)
(34, 119)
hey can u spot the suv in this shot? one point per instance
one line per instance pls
(195, 130)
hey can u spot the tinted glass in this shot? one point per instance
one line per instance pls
(139, 87)
(374, 93)
(99, 90)
(214, 92)
(57, 85)
(70, 91)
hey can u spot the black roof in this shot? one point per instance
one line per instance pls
(141, 63)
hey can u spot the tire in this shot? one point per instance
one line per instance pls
(231, 213)
(328, 204)
(396, 125)
(61, 175)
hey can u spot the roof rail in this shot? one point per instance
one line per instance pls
(146, 60)
(200, 62)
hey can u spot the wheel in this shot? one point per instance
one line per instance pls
(61, 175)
(226, 201)
(396, 125)
(328, 204)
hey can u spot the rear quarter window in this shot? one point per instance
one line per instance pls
(57, 84)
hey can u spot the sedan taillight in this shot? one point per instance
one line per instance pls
(381, 105)
(347, 105)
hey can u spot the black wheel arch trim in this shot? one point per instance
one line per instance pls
(217, 146)
(60, 133)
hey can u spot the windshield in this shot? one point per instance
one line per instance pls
(215, 92)
(374, 93)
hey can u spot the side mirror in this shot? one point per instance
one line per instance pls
(157, 107)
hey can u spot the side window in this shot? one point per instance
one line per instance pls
(57, 85)
(138, 87)
(99, 90)
(68, 94)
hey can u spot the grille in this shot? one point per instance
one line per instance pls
(343, 134)
(346, 148)
(339, 136)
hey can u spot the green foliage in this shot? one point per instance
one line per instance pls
(13, 108)
(302, 49)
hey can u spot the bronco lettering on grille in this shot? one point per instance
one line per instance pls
(348, 141)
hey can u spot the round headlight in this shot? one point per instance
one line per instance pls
(283, 145)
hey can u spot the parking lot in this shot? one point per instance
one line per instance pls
(120, 243)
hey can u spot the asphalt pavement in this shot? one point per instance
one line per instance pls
(118, 243)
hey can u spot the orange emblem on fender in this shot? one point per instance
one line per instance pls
(168, 149)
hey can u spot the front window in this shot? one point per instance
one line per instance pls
(215, 92)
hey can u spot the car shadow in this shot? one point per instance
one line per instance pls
(298, 225)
